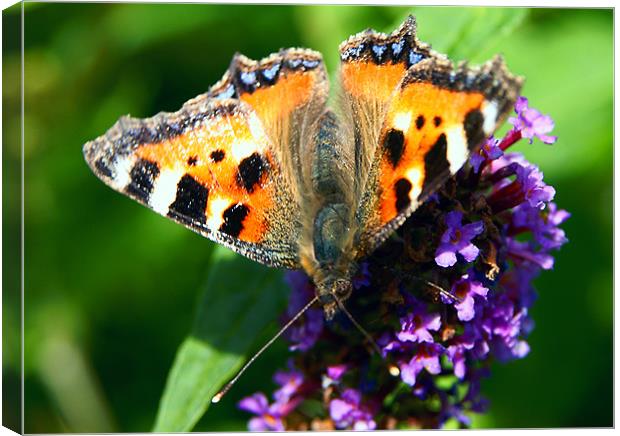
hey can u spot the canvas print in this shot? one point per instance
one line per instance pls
(331, 217)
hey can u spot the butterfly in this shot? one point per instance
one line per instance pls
(262, 165)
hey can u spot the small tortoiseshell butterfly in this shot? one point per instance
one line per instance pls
(260, 164)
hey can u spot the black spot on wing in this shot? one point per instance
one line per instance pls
(402, 187)
(217, 155)
(436, 165)
(233, 219)
(394, 144)
(192, 161)
(473, 128)
(419, 121)
(437, 121)
(251, 170)
(103, 168)
(191, 200)
(142, 177)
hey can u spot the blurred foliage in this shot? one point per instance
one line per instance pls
(111, 289)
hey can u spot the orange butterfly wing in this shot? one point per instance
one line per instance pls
(428, 117)
(216, 165)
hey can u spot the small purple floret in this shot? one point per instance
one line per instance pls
(417, 324)
(531, 123)
(465, 290)
(302, 335)
(457, 239)
(536, 192)
(289, 382)
(489, 151)
(426, 357)
(348, 412)
(335, 372)
(544, 227)
(269, 416)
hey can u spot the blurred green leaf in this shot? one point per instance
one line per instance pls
(240, 300)
(463, 33)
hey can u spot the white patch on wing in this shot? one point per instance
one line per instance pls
(414, 175)
(216, 207)
(256, 127)
(489, 112)
(165, 189)
(402, 120)
(241, 149)
(121, 171)
(457, 147)
(257, 141)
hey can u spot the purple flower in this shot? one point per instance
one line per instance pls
(269, 416)
(348, 412)
(518, 283)
(416, 324)
(465, 289)
(503, 325)
(305, 333)
(489, 151)
(524, 251)
(426, 357)
(536, 192)
(528, 186)
(289, 382)
(531, 122)
(544, 227)
(457, 238)
(362, 278)
(457, 352)
(427, 334)
(333, 376)
(335, 372)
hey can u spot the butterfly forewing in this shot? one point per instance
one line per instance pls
(416, 120)
(227, 165)
(288, 91)
(372, 65)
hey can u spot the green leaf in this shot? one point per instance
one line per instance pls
(240, 300)
(464, 33)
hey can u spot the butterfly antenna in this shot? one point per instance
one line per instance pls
(359, 327)
(230, 384)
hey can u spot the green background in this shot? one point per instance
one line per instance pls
(112, 289)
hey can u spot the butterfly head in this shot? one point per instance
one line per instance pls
(331, 291)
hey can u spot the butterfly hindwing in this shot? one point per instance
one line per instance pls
(436, 115)
(216, 165)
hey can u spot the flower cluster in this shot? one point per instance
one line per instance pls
(443, 299)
